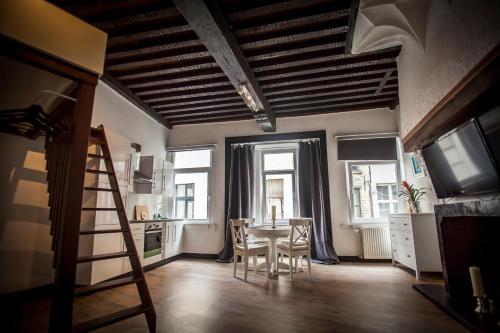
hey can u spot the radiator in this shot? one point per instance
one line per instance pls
(376, 242)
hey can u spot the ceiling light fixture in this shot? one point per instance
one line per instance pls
(247, 98)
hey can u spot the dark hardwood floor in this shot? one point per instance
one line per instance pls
(202, 296)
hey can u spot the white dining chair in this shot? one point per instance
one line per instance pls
(242, 248)
(250, 222)
(298, 244)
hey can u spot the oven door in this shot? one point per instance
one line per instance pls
(152, 243)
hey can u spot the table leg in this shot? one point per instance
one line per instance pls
(274, 258)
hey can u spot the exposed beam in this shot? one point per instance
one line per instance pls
(186, 86)
(230, 107)
(286, 97)
(335, 109)
(172, 94)
(155, 33)
(382, 84)
(185, 113)
(204, 106)
(154, 71)
(384, 102)
(201, 115)
(151, 52)
(211, 120)
(161, 62)
(125, 92)
(196, 101)
(352, 24)
(188, 76)
(209, 24)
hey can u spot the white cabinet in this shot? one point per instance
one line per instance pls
(173, 238)
(414, 242)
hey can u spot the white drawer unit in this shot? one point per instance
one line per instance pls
(414, 242)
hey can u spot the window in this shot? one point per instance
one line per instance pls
(373, 190)
(278, 182)
(184, 200)
(192, 182)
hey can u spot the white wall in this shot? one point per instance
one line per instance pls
(459, 33)
(210, 239)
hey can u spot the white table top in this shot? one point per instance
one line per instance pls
(269, 231)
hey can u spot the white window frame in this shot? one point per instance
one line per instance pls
(392, 196)
(260, 183)
(382, 220)
(208, 170)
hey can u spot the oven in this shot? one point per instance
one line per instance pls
(152, 239)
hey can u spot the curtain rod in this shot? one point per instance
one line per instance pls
(192, 147)
(367, 136)
(277, 142)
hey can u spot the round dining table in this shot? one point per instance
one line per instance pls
(272, 234)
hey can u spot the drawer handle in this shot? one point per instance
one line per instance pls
(408, 255)
(406, 238)
(394, 250)
(405, 224)
(393, 235)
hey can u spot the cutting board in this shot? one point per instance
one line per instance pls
(141, 213)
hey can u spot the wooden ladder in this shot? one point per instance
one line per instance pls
(98, 138)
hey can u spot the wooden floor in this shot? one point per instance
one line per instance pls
(202, 296)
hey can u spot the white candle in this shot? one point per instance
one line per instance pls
(477, 281)
(273, 213)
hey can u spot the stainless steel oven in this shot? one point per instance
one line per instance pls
(152, 239)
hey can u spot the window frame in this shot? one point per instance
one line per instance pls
(350, 188)
(184, 198)
(261, 199)
(208, 171)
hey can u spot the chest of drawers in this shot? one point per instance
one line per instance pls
(414, 242)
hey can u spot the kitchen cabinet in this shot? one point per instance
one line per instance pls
(173, 238)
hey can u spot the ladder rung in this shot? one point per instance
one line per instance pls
(107, 209)
(103, 231)
(96, 141)
(96, 156)
(85, 290)
(106, 256)
(110, 318)
(102, 189)
(101, 172)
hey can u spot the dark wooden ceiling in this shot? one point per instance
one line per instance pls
(298, 51)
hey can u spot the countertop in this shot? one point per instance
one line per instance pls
(155, 220)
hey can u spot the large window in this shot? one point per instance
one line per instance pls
(373, 190)
(192, 183)
(277, 183)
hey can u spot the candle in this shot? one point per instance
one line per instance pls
(273, 213)
(477, 281)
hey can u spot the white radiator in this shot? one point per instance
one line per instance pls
(376, 242)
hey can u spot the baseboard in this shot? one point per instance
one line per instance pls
(32, 293)
(359, 259)
(206, 256)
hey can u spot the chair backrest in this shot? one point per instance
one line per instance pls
(238, 233)
(301, 232)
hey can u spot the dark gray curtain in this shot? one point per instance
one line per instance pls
(312, 202)
(241, 192)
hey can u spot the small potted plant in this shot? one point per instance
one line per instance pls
(412, 195)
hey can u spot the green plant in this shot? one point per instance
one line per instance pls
(412, 194)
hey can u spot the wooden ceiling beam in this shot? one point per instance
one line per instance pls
(305, 109)
(192, 100)
(206, 74)
(323, 83)
(323, 92)
(230, 107)
(300, 24)
(200, 101)
(280, 42)
(383, 82)
(218, 83)
(326, 74)
(167, 32)
(335, 109)
(155, 72)
(203, 112)
(202, 115)
(352, 24)
(180, 93)
(151, 52)
(204, 106)
(212, 120)
(257, 13)
(207, 21)
(161, 62)
(162, 66)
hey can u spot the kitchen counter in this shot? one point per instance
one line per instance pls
(155, 220)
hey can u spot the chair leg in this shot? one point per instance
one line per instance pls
(235, 264)
(267, 265)
(255, 264)
(290, 261)
(309, 266)
(246, 267)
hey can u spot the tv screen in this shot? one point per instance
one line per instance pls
(460, 163)
(490, 123)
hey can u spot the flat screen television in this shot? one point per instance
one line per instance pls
(460, 163)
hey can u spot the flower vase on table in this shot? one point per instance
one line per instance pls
(413, 196)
